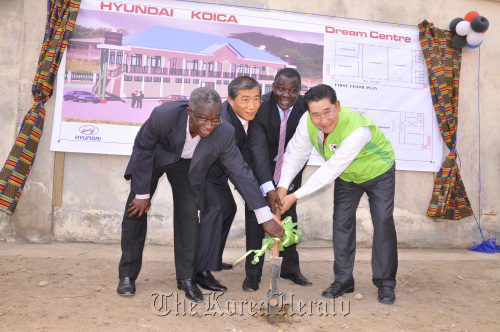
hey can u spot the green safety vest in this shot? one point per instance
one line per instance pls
(376, 157)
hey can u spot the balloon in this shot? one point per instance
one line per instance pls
(458, 41)
(475, 46)
(453, 24)
(479, 24)
(470, 15)
(463, 28)
(474, 38)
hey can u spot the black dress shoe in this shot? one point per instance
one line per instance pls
(337, 289)
(126, 286)
(251, 283)
(386, 295)
(226, 266)
(192, 291)
(205, 279)
(297, 278)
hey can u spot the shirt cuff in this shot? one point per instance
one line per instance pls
(284, 183)
(267, 187)
(145, 196)
(298, 194)
(263, 214)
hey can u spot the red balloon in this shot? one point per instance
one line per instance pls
(470, 15)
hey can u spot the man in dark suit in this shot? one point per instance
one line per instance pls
(220, 208)
(140, 97)
(182, 140)
(134, 98)
(275, 123)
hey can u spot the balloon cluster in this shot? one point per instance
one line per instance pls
(468, 30)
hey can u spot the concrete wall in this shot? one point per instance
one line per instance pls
(94, 189)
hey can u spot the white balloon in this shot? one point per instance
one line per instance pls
(474, 38)
(463, 28)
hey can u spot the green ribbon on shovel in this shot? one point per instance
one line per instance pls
(290, 236)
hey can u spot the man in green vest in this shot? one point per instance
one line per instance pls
(359, 159)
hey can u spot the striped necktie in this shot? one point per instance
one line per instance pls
(281, 148)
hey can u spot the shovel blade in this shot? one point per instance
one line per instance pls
(275, 270)
(273, 294)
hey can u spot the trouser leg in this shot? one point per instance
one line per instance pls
(346, 200)
(380, 193)
(254, 234)
(134, 235)
(216, 220)
(229, 212)
(186, 221)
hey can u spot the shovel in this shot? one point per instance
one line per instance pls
(273, 293)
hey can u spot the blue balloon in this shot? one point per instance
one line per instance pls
(474, 46)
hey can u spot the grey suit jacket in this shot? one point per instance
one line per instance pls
(160, 141)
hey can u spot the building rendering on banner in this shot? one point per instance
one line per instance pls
(163, 61)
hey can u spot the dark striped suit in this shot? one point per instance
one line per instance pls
(220, 207)
(157, 150)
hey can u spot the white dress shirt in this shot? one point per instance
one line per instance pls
(243, 121)
(190, 144)
(299, 149)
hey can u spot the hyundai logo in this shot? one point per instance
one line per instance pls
(88, 130)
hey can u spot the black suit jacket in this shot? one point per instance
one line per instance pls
(160, 141)
(264, 135)
(217, 172)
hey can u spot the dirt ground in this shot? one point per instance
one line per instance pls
(65, 287)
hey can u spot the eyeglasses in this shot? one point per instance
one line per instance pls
(214, 123)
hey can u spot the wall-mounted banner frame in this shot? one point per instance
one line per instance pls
(125, 58)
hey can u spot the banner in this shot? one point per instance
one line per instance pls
(124, 59)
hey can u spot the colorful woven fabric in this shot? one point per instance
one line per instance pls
(61, 17)
(449, 198)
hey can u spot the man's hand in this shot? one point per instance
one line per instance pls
(274, 228)
(282, 192)
(288, 201)
(139, 207)
(273, 200)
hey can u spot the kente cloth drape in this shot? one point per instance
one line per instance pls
(61, 16)
(449, 199)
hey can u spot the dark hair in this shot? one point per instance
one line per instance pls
(319, 92)
(242, 83)
(207, 95)
(289, 73)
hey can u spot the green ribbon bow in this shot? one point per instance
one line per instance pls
(290, 236)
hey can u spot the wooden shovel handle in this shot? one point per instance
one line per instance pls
(276, 247)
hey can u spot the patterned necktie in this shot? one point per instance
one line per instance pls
(281, 148)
